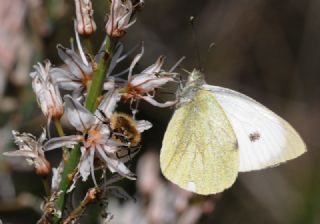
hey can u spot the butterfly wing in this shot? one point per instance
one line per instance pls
(264, 138)
(199, 150)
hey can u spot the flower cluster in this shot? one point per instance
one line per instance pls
(105, 134)
(106, 137)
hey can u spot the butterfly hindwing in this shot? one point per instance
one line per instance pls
(199, 150)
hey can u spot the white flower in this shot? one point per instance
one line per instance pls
(32, 149)
(48, 95)
(97, 138)
(144, 84)
(79, 76)
(120, 17)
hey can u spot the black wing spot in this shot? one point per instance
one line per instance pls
(254, 136)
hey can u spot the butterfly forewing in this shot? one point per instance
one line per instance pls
(199, 150)
(264, 138)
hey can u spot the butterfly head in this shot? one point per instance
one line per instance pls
(193, 84)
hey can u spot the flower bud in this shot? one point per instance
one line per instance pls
(43, 168)
(119, 18)
(91, 195)
(84, 14)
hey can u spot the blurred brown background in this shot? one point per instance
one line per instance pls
(267, 49)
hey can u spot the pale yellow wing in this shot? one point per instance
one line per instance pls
(199, 150)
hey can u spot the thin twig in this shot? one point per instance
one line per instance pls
(88, 199)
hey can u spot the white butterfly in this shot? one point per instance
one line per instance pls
(217, 132)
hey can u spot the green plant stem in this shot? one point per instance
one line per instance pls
(99, 76)
(67, 175)
(88, 45)
(94, 92)
(46, 185)
(60, 131)
(58, 126)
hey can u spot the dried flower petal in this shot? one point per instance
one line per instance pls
(47, 93)
(32, 149)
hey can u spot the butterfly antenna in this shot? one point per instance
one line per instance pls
(210, 47)
(195, 39)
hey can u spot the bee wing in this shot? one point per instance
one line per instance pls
(264, 138)
(199, 150)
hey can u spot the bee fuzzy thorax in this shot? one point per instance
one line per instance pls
(125, 128)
